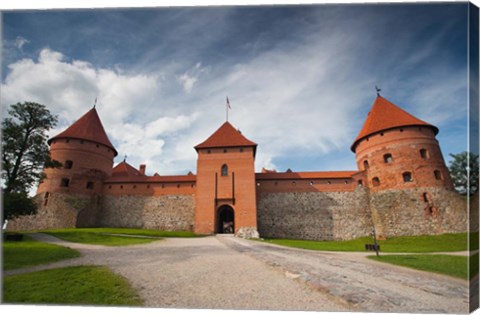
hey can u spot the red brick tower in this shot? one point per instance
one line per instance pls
(399, 151)
(87, 157)
(411, 192)
(225, 194)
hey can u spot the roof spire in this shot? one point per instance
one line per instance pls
(125, 158)
(378, 90)
(95, 103)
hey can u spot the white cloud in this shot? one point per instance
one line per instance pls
(187, 81)
(20, 42)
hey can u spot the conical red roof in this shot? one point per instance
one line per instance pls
(385, 115)
(88, 127)
(226, 136)
(123, 169)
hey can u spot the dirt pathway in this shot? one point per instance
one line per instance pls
(229, 273)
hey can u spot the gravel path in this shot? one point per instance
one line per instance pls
(224, 272)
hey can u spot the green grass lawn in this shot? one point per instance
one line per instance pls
(405, 244)
(84, 285)
(28, 252)
(113, 236)
(455, 266)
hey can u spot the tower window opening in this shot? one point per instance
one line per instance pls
(224, 170)
(47, 194)
(387, 158)
(365, 165)
(360, 183)
(407, 177)
(438, 175)
(89, 185)
(68, 164)
(375, 182)
(425, 197)
(424, 154)
(64, 182)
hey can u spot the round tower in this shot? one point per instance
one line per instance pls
(411, 192)
(86, 154)
(399, 151)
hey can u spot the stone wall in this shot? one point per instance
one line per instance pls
(314, 215)
(169, 213)
(425, 211)
(60, 211)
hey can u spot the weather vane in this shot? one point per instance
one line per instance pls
(95, 103)
(378, 90)
(125, 158)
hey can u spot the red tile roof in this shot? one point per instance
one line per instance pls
(226, 136)
(305, 175)
(123, 169)
(385, 115)
(88, 127)
(152, 179)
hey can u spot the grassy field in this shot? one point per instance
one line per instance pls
(28, 252)
(403, 244)
(455, 266)
(114, 236)
(84, 285)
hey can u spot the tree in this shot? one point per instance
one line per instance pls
(464, 172)
(25, 154)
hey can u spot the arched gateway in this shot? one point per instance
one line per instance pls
(225, 220)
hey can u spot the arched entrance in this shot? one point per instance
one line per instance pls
(225, 220)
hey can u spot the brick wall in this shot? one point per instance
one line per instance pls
(407, 212)
(60, 211)
(167, 212)
(314, 215)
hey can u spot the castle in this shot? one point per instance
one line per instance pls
(401, 187)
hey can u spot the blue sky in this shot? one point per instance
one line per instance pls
(300, 79)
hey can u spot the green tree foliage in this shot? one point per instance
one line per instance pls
(24, 154)
(464, 172)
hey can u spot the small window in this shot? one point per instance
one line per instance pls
(311, 183)
(134, 186)
(65, 182)
(109, 186)
(438, 175)
(224, 170)
(148, 186)
(241, 149)
(365, 165)
(387, 158)
(178, 185)
(68, 164)
(47, 194)
(346, 182)
(121, 186)
(209, 151)
(375, 182)
(89, 185)
(67, 141)
(329, 182)
(294, 183)
(425, 197)
(424, 154)
(98, 146)
(224, 150)
(401, 129)
(360, 183)
(381, 134)
(407, 177)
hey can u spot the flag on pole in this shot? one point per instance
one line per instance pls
(228, 103)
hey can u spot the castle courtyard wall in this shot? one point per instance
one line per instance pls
(314, 215)
(418, 211)
(59, 210)
(164, 212)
